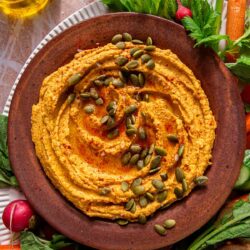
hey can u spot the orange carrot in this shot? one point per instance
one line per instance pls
(248, 122)
(9, 247)
(236, 10)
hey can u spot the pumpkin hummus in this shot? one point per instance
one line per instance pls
(123, 130)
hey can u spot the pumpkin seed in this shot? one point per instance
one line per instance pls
(116, 38)
(135, 148)
(178, 193)
(155, 163)
(122, 77)
(138, 190)
(145, 58)
(110, 122)
(146, 98)
(104, 119)
(99, 101)
(134, 79)
(112, 112)
(201, 180)
(158, 184)
(140, 164)
(160, 151)
(147, 159)
(151, 148)
(118, 83)
(164, 177)
(169, 223)
(173, 138)
(134, 159)
(108, 81)
(129, 204)
(111, 105)
(71, 98)
(133, 209)
(181, 150)
(130, 109)
(121, 60)
(124, 186)
(101, 77)
(104, 190)
(122, 222)
(142, 219)
(89, 109)
(131, 131)
(150, 196)
(179, 174)
(127, 37)
(128, 122)
(74, 79)
(150, 64)
(93, 93)
(138, 54)
(144, 153)
(184, 186)
(137, 41)
(143, 201)
(120, 45)
(142, 133)
(126, 158)
(160, 229)
(85, 95)
(154, 170)
(150, 48)
(162, 196)
(132, 64)
(136, 182)
(149, 41)
(113, 134)
(141, 79)
(132, 117)
(133, 50)
(98, 82)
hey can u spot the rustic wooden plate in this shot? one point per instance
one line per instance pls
(190, 213)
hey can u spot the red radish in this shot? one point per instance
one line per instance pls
(182, 11)
(18, 215)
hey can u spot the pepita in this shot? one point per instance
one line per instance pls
(116, 38)
(121, 60)
(169, 223)
(126, 158)
(122, 77)
(160, 229)
(142, 219)
(201, 180)
(130, 109)
(158, 184)
(155, 163)
(135, 148)
(112, 112)
(140, 164)
(179, 174)
(138, 190)
(71, 98)
(160, 151)
(111, 105)
(131, 131)
(134, 159)
(74, 79)
(164, 177)
(132, 64)
(89, 109)
(99, 101)
(120, 45)
(132, 117)
(104, 119)
(181, 150)
(138, 54)
(93, 93)
(150, 48)
(151, 148)
(108, 81)
(162, 196)
(129, 204)
(122, 222)
(137, 41)
(85, 95)
(145, 58)
(143, 201)
(110, 122)
(133, 209)
(178, 193)
(149, 41)
(128, 122)
(150, 64)
(98, 83)
(136, 182)
(173, 138)
(150, 196)
(147, 159)
(124, 186)
(118, 83)
(184, 186)
(104, 190)
(154, 170)
(134, 79)
(144, 153)
(127, 37)
(133, 50)
(141, 79)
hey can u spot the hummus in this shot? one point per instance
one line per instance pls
(122, 132)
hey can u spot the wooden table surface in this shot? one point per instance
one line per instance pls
(18, 38)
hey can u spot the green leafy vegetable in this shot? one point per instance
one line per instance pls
(162, 8)
(30, 241)
(7, 177)
(234, 224)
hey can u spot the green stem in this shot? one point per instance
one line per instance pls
(200, 245)
(218, 9)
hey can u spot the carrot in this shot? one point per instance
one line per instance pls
(236, 10)
(248, 130)
(9, 247)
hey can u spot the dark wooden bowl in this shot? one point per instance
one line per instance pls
(190, 213)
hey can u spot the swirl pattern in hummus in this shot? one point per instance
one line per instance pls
(84, 163)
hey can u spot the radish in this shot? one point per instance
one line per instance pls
(182, 11)
(18, 216)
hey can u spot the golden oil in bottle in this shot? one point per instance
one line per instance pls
(22, 8)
